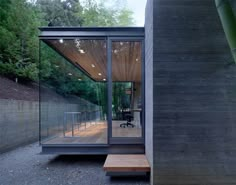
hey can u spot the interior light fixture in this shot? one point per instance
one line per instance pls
(79, 79)
(57, 66)
(100, 74)
(70, 74)
(136, 59)
(92, 65)
(81, 51)
(61, 41)
(104, 79)
(77, 43)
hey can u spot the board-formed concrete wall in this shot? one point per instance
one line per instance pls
(194, 95)
(19, 123)
(19, 120)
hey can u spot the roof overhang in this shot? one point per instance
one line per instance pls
(93, 41)
(91, 32)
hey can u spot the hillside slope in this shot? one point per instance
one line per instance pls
(12, 90)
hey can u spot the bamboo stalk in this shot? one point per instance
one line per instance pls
(228, 21)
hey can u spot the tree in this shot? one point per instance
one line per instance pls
(85, 13)
(125, 17)
(74, 13)
(18, 39)
(228, 21)
(19, 24)
(96, 13)
(61, 13)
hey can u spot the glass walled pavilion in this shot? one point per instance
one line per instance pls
(92, 90)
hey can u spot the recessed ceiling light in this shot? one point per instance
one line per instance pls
(115, 51)
(104, 79)
(92, 65)
(121, 43)
(136, 59)
(56, 66)
(81, 51)
(100, 74)
(79, 79)
(61, 41)
(70, 74)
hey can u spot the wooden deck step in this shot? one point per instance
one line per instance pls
(126, 163)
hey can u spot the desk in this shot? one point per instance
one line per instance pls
(136, 110)
(136, 116)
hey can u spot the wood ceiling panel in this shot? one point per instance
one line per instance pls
(126, 58)
(126, 61)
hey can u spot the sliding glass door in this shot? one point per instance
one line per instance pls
(126, 98)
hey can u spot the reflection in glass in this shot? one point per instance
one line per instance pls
(126, 89)
(73, 106)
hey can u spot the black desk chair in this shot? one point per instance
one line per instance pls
(129, 118)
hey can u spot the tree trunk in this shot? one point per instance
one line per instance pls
(228, 22)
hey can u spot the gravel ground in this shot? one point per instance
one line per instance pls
(25, 166)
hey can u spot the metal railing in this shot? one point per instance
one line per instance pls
(76, 120)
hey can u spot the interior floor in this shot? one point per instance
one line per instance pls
(95, 133)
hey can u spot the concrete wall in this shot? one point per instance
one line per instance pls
(19, 121)
(52, 116)
(149, 83)
(194, 95)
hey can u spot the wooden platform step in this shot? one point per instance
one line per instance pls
(126, 163)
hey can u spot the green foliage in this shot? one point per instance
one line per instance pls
(125, 17)
(85, 13)
(60, 13)
(18, 39)
(120, 100)
(19, 47)
(20, 19)
(17, 69)
(96, 13)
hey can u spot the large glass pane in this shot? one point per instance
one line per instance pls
(126, 89)
(73, 91)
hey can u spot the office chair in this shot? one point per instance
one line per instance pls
(129, 118)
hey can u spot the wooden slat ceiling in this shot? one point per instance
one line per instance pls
(126, 61)
(91, 56)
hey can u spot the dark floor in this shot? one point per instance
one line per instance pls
(25, 166)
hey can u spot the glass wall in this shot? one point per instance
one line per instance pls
(73, 91)
(126, 89)
(74, 94)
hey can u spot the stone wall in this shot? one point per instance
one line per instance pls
(194, 95)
